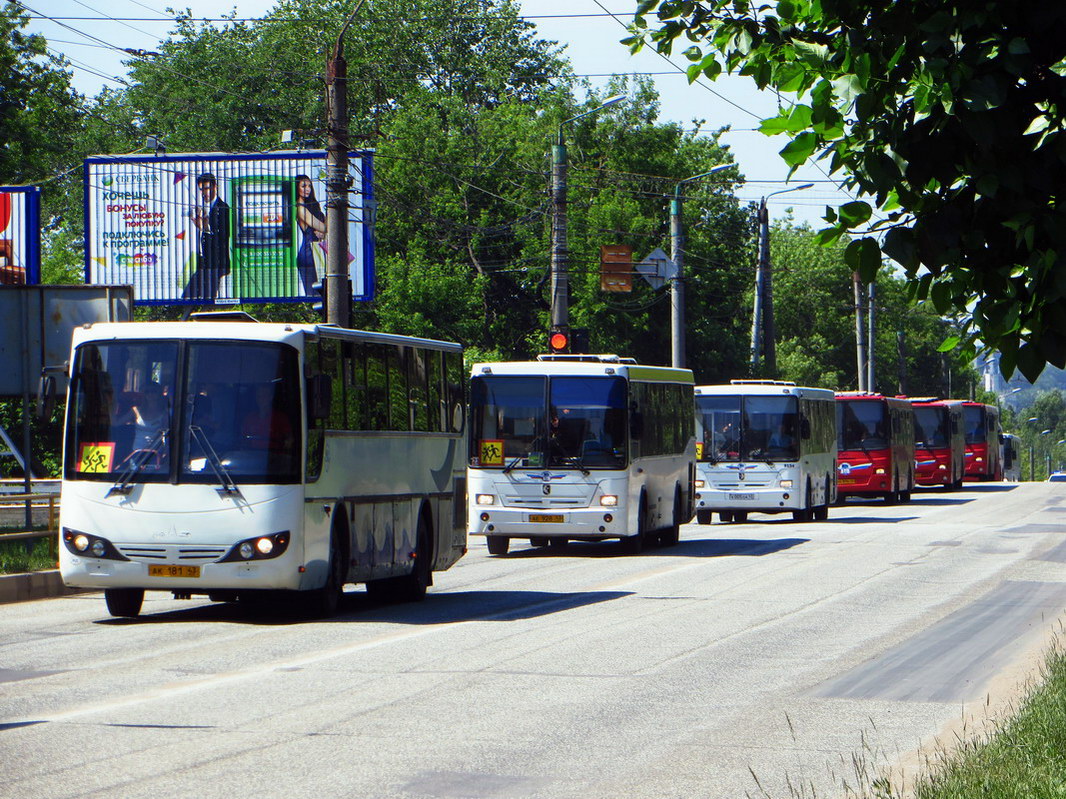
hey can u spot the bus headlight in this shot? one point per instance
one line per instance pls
(261, 547)
(786, 484)
(942, 466)
(699, 484)
(486, 499)
(879, 471)
(979, 459)
(609, 501)
(81, 543)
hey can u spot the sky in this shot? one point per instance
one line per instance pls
(91, 34)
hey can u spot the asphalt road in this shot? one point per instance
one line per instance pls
(747, 659)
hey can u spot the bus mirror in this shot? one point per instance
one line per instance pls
(319, 397)
(46, 396)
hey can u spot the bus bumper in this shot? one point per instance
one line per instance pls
(79, 571)
(756, 500)
(564, 523)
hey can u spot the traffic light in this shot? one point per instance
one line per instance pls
(319, 306)
(579, 339)
(559, 339)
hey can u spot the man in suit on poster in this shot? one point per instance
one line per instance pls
(211, 219)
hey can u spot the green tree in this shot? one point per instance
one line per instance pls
(39, 111)
(814, 308)
(948, 117)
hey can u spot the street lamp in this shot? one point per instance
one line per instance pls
(677, 285)
(560, 311)
(762, 323)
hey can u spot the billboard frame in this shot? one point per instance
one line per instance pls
(31, 230)
(360, 160)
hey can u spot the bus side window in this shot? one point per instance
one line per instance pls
(399, 407)
(435, 379)
(331, 365)
(377, 387)
(356, 387)
(418, 391)
(455, 385)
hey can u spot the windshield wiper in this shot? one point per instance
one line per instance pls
(513, 464)
(229, 488)
(137, 460)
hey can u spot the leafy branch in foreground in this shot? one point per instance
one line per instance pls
(946, 117)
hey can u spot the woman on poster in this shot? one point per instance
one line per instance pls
(310, 257)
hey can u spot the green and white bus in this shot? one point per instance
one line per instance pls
(580, 448)
(233, 458)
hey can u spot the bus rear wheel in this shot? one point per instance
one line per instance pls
(412, 587)
(124, 602)
(672, 534)
(497, 544)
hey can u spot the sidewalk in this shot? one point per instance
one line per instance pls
(33, 585)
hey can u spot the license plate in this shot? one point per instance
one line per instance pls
(846, 481)
(173, 571)
(546, 518)
(741, 497)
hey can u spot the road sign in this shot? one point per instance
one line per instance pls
(657, 268)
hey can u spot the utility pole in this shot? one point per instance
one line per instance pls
(560, 297)
(763, 330)
(677, 285)
(560, 301)
(860, 332)
(336, 282)
(871, 384)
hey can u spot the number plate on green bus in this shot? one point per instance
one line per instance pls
(173, 571)
(546, 518)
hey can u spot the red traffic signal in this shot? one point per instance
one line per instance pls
(559, 342)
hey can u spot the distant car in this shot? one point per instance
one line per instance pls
(1057, 477)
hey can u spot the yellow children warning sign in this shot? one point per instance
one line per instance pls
(492, 452)
(699, 450)
(96, 458)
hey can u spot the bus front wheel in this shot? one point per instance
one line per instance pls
(703, 516)
(124, 602)
(323, 602)
(497, 544)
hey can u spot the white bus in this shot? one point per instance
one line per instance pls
(233, 458)
(580, 447)
(766, 446)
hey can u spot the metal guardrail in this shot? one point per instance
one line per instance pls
(38, 501)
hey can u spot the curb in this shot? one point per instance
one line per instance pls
(33, 585)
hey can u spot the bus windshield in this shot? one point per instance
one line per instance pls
(232, 410)
(534, 421)
(720, 419)
(745, 428)
(974, 419)
(930, 427)
(861, 424)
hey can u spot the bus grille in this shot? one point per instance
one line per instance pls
(169, 554)
(738, 485)
(544, 502)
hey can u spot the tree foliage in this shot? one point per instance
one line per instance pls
(815, 316)
(947, 118)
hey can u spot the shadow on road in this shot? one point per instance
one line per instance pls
(356, 605)
(869, 519)
(690, 548)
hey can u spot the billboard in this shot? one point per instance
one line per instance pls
(20, 235)
(215, 228)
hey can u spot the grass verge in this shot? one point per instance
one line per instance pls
(1024, 757)
(26, 556)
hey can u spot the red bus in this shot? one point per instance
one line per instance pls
(939, 443)
(875, 446)
(981, 426)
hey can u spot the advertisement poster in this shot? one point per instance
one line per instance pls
(20, 235)
(213, 228)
